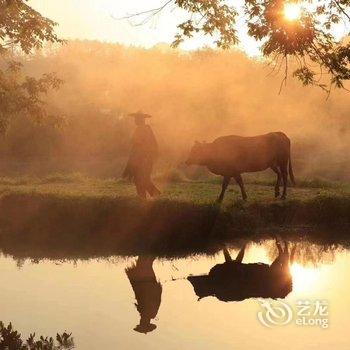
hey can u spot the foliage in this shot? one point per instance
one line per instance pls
(307, 39)
(22, 29)
(21, 94)
(11, 340)
(215, 16)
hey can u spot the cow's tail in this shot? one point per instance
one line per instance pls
(291, 174)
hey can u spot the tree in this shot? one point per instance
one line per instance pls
(304, 42)
(22, 29)
(12, 340)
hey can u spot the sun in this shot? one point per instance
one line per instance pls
(292, 11)
(304, 278)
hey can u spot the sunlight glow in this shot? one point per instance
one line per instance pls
(304, 278)
(292, 11)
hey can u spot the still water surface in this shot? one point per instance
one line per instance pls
(94, 300)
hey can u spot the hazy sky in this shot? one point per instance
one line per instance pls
(96, 19)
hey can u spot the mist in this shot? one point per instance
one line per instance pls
(197, 95)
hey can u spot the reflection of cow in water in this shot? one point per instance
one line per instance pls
(235, 281)
(230, 156)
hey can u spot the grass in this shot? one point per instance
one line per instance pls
(94, 218)
(175, 188)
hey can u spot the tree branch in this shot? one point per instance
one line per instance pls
(151, 12)
(341, 8)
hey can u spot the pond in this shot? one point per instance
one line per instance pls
(101, 300)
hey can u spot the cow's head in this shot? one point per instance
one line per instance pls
(198, 154)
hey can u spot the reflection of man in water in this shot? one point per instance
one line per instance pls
(144, 151)
(148, 292)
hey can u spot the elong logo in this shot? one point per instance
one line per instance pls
(308, 313)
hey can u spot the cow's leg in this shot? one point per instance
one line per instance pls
(279, 247)
(140, 188)
(283, 259)
(278, 182)
(152, 189)
(286, 253)
(225, 183)
(292, 254)
(240, 255)
(277, 263)
(227, 255)
(239, 180)
(284, 172)
(281, 263)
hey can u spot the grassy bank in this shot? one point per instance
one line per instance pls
(104, 217)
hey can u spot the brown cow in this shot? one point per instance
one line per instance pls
(230, 156)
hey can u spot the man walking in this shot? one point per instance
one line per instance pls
(144, 151)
